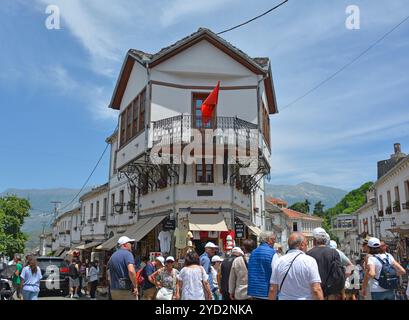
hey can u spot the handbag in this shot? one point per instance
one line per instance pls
(164, 294)
(124, 284)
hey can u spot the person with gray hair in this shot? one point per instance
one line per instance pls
(260, 267)
(329, 265)
(295, 275)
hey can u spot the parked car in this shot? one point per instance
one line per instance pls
(55, 273)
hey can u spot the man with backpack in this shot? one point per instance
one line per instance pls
(329, 265)
(74, 280)
(225, 270)
(384, 272)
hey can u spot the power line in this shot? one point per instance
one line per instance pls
(89, 177)
(255, 18)
(346, 65)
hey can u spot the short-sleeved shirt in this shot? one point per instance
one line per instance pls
(302, 274)
(375, 287)
(168, 280)
(192, 283)
(344, 259)
(118, 266)
(31, 281)
(19, 268)
(206, 263)
(147, 271)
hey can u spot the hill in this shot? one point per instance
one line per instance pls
(298, 193)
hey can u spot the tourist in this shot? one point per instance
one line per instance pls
(329, 265)
(121, 271)
(205, 260)
(215, 268)
(93, 278)
(165, 280)
(238, 279)
(260, 267)
(384, 272)
(74, 281)
(30, 279)
(16, 277)
(193, 280)
(295, 276)
(149, 288)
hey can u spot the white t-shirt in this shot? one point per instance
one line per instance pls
(378, 267)
(192, 285)
(164, 237)
(303, 273)
(214, 277)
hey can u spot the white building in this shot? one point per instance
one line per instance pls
(62, 228)
(158, 97)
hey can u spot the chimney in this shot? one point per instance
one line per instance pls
(396, 147)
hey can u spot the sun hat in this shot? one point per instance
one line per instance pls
(170, 258)
(124, 239)
(161, 259)
(237, 250)
(216, 258)
(211, 245)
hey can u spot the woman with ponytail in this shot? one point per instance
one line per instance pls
(30, 279)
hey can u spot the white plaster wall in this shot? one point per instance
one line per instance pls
(99, 225)
(130, 151)
(137, 81)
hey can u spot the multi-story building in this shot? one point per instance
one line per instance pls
(62, 228)
(154, 187)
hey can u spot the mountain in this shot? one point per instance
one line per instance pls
(314, 193)
(42, 211)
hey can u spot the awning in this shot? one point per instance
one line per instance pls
(136, 231)
(252, 227)
(88, 245)
(207, 222)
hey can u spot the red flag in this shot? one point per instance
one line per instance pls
(209, 104)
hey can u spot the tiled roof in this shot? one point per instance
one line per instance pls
(292, 214)
(261, 62)
(276, 201)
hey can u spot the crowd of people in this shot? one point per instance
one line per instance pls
(259, 273)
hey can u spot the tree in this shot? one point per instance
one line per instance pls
(319, 209)
(303, 207)
(307, 205)
(13, 211)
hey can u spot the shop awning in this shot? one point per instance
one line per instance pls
(88, 245)
(58, 252)
(252, 227)
(136, 231)
(207, 222)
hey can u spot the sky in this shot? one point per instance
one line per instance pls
(56, 85)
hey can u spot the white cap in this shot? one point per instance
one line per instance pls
(333, 244)
(374, 243)
(216, 258)
(237, 250)
(211, 245)
(160, 259)
(170, 258)
(124, 239)
(319, 232)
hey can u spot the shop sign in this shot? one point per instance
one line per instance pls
(169, 224)
(239, 230)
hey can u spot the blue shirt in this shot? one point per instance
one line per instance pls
(118, 266)
(31, 281)
(206, 264)
(148, 270)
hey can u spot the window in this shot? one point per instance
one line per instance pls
(113, 203)
(197, 100)
(397, 197)
(265, 123)
(388, 195)
(105, 207)
(295, 227)
(133, 199)
(204, 172)
(133, 118)
(381, 203)
(407, 190)
(92, 211)
(121, 199)
(97, 211)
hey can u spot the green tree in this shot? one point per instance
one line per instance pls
(319, 209)
(307, 206)
(13, 211)
(303, 207)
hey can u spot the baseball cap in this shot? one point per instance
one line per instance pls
(216, 258)
(333, 244)
(374, 243)
(211, 245)
(124, 239)
(319, 232)
(237, 250)
(160, 259)
(170, 258)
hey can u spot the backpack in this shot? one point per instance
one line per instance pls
(388, 278)
(336, 278)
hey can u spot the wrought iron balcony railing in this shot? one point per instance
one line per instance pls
(228, 130)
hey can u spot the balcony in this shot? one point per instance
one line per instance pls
(230, 130)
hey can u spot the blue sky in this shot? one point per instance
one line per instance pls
(55, 85)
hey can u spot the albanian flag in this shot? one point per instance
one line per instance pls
(209, 105)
